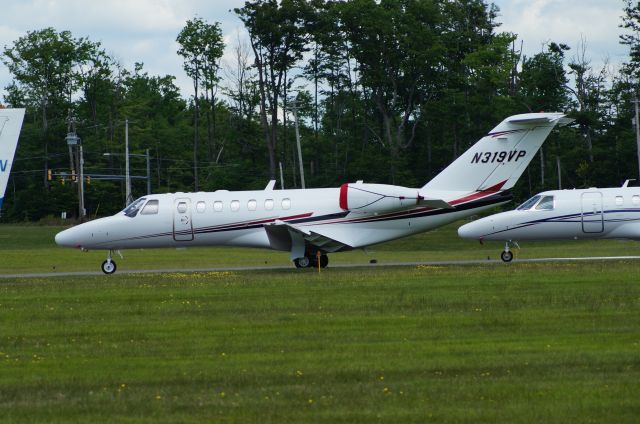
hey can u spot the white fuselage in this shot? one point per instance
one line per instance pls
(242, 218)
(608, 213)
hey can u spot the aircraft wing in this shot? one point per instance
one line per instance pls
(435, 203)
(285, 236)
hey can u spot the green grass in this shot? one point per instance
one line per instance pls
(523, 343)
(27, 249)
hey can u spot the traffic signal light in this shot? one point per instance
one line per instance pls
(49, 175)
(88, 179)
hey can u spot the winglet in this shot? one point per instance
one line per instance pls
(270, 186)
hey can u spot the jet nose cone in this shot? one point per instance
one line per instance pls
(470, 231)
(66, 238)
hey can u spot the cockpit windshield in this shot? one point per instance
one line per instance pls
(546, 204)
(538, 203)
(133, 209)
(529, 203)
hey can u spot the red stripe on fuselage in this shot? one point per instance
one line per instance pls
(478, 194)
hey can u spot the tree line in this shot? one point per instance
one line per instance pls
(388, 91)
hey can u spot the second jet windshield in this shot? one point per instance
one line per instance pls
(541, 203)
(133, 208)
(529, 203)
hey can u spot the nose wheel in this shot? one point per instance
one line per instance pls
(109, 266)
(507, 254)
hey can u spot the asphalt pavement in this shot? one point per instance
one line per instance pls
(493, 262)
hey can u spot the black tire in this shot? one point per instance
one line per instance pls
(506, 256)
(324, 261)
(109, 267)
(303, 262)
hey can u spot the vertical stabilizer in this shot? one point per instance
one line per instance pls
(499, 158)
(10, 125)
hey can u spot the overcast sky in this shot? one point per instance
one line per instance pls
(145, 30)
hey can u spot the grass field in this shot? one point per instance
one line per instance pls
(513, 343)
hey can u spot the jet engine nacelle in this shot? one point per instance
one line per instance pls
(376, 198)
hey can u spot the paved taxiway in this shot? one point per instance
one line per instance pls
(370, 265)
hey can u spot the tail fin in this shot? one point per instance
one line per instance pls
(499, 158)
(10, 125)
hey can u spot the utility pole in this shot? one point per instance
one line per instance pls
(637, 122)
(83, 211)
(295, 116)
(73, 140)
(148, 174)
(71, 129)
(127, 177)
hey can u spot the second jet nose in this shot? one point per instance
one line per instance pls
(67, 238)
(473, 230)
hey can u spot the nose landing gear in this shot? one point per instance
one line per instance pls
(507, 255)
(109, 266)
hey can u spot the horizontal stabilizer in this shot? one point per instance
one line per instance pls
(545, 119)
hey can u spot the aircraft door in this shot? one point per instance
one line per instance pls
(592, 217)
(182, 226)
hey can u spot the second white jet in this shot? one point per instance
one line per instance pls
(593, 213)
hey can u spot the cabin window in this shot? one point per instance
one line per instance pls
(151, 208)
(200, 207)
(635, 200)
(286, 203)
(217, 206)
(235, 205)
(252, 204)
(182, 207)
(528, 204)
(619, 200)
(268, 204)
(133, 208)
(545, 204)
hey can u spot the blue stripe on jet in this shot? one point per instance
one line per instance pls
(570, 218)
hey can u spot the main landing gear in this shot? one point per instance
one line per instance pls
(507, 255)
(109, 266)
(311, 261)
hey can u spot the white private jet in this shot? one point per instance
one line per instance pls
(593, 213)
(311, 223)
(10, 125)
